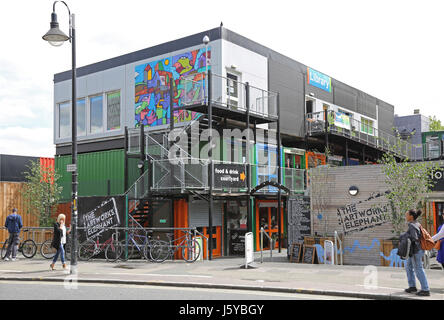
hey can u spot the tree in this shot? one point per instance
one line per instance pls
(41, 192)
(408, 183)
(435, 124)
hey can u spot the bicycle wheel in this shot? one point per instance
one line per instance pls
(191, 251)
(160, 251)
(147, 249)
(4, 248)
(127, 250)
(46, 250)
(113, 251)
(29, 248)
(87, 250)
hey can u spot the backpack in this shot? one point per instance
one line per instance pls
(405, 246)
(426, 240)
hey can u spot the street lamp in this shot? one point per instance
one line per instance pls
(56, 37)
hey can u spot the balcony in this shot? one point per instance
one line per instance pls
(229, 98)
(363, 133)
(190, 174)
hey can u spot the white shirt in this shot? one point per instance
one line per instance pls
(439, 235)
(63, 238)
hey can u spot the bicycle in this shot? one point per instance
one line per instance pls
(164, 249)
(143, 247)
(28, 247)
(91, 248)
(48, 252)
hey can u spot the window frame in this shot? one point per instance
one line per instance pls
(106, 111)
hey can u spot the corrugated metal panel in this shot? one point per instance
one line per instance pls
(12, 167)
(198, 213)
(95, 169)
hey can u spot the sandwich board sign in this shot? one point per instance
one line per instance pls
(249, 251)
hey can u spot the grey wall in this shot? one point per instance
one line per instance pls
(413, 122)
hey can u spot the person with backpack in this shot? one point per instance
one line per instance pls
(14, 224)
(414, 263)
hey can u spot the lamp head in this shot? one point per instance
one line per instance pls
(55, 36)
(206, 40)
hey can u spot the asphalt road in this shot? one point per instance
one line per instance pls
(38, 290)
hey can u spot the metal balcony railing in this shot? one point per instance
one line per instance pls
(361, 132)
(228, 93)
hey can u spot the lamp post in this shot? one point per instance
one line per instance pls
(56, 37)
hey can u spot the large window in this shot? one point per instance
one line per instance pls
(81, 117)
(113, 110)
(96, 114)
(64, 120)
(367, 126)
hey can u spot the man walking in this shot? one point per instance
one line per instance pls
(13, 223)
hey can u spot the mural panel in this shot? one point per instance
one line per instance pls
(152, 92)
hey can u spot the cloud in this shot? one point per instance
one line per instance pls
(37, 142)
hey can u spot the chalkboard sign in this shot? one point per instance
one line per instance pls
(237, 242)
(295, 252)
(299, 220)
(309, 254)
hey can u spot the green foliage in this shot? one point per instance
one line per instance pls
(408, 183)
(435, 124)
(41, 192)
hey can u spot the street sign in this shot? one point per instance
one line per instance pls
(71, 167)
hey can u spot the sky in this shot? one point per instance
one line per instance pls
(393, 50)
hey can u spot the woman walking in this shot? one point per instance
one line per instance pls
(414, 263)
(59, 240)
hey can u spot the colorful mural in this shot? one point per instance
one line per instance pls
(152, 91)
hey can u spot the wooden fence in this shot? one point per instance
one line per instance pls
(11, 196)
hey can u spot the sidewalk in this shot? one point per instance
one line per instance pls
(278, 275)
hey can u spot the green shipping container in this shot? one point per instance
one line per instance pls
(99, 173)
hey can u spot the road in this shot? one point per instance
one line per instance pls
(38, 290)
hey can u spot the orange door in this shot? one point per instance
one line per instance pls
(217, 241)
(267, 218)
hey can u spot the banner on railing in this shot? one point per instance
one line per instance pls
(342, 120)
(98, 215)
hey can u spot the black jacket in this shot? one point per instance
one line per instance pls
(414, 232)
(57, 236)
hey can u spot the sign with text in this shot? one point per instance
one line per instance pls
(342, 120)
(230, 175)
(97, 215)
(318, 79)
(299, 221)
(365, 214)
(438, 180)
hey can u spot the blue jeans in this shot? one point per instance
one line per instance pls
(61, 252)
(13, 242)
(414, 266)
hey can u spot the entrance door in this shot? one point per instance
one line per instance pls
(267, 218)
(216, 241)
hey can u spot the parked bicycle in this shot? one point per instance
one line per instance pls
(27, 247)
(91, 248)
(48, 252)
(137, 245)
(189, 247)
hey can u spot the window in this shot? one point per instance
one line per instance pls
(81, 117)
(64, 120)
(232, 89)
(96, 114)
(367, 126)
(113, 110)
